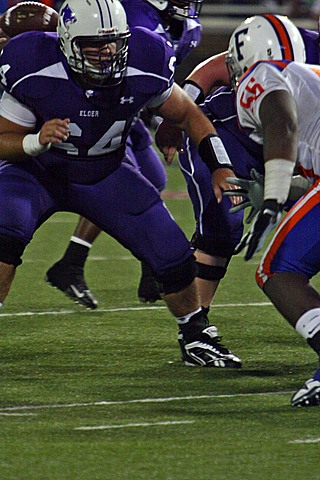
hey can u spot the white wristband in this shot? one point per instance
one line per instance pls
(32, 146)
(220, 151)
(277, 180)
(192, 90)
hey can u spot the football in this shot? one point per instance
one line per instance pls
(26, 16)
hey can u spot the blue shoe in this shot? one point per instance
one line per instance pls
(309, 394)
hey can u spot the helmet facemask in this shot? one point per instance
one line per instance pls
(234, 69)
(100, 60)
(181, 9)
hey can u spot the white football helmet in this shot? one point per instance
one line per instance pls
(94, 39)
(263, 37)
(180, 9)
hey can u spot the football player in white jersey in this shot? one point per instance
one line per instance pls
(278, 102)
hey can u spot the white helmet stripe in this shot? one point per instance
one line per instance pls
(102, 20)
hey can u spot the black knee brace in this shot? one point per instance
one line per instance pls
(178, 278)
(210, 246)
(11, 250)
(211, 272)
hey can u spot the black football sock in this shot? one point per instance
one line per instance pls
(146, 270)
(76, 254)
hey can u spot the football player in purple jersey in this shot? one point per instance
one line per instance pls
(67, 154)
(177, 22)
(209, 74)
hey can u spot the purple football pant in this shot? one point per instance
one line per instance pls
(214, 221)
(124, 204)
(142, 155)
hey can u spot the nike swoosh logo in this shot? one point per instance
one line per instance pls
(315, 328)
(76, 292)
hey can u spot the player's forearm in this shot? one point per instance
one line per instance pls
(197, 126)
(16, 147)
(11, 147)
(210, 73)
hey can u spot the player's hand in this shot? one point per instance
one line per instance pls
(169, 140)
(54, 131)
(221, 182)
(252, 191)
(268, 219)
(3, 36)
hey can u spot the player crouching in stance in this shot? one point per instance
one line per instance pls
(278, 101)
(67, 154)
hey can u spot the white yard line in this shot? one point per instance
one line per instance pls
(307, 440)
(9, 414)
(126, 309)
(144, 400)
(142, 424)
(138, 400)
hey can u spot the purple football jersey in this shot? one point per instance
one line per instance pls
(311, 43)
(85, 174)
(35, 72)
(184, 35)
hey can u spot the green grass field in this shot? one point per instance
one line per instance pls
(103, 395)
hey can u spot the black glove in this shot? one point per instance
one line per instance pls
(267, 219)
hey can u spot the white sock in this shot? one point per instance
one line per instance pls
(309, 323)
(185, 319)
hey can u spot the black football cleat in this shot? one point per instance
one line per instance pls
(205, 350)
(70, 280)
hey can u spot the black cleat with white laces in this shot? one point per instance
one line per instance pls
(70, 280)
(309, 394)
(203, 348)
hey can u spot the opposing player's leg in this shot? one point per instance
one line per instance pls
(284, 273)
(309, 394)
(140, 221)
